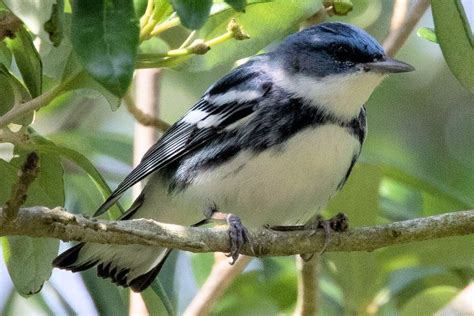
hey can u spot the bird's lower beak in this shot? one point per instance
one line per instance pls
(388, 65)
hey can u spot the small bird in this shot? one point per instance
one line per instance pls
(268, 144)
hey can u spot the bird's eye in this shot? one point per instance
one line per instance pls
(342, 53)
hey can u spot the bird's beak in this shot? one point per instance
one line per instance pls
(388, 65)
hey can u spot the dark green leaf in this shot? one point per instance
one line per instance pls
(8, 98)
(29, 259)
(54, 26)
(106, 296)
(13, 93)
(105, 37)
(192, 13)
(427, 33)
(81, 161)
(157, 291)
(27, 60)
(140, 6)
(43, 145)
(5, 55)
(456, 40)
(82, 80)
(238, 5)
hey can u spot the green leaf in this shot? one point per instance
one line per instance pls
(29, 259)
(262, 27)
(81, 161)
(5, 55)
(162, 10)
(82, 80)
(46, 146)
(427, 33)
(54, 26)
(341, 7)
(140, 6)
(456, 40)
(13, 93)
(27, 60)
(157, 291)
(105, 37)
(192, 13)
(8, 98)
(238, 5)
(106, 296)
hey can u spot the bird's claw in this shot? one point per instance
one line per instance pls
(238, 235)
(337, 223)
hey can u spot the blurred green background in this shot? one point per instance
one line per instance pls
(417, 161)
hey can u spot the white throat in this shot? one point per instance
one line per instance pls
(341, 95)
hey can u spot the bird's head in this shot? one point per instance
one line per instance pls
(336, 64)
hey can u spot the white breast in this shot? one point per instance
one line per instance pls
(287, 185)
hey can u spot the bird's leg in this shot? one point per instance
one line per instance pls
(337, 223)
(238, 233)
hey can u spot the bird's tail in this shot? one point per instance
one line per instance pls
(133, 266)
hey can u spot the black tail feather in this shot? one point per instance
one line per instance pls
(143, 281)
(67, 261)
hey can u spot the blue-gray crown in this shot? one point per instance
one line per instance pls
(328, 48)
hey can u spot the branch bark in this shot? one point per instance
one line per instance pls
(57, 223)
(147, 95)
(308, 286)
(403, 23)
(221, 277)
(26, 176)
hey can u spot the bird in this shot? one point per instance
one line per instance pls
(268, 144)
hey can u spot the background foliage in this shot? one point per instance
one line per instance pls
(417, 160)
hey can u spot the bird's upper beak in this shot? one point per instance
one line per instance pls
(388, 65)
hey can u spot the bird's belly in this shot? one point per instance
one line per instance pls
(282, 186)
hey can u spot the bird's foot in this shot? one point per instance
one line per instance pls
(238, 233)
(337, 223)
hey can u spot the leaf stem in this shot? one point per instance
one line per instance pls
(198, 47)
(160, 28)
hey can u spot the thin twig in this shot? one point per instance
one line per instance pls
(308, 286)
(221, 277)
(26, 176)
(403, 24)
(57, 223)
(142, 117)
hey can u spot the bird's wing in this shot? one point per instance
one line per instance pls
(227, 102)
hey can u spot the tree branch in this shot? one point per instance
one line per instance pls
(308, 286)
(221, 277)
(26, 176)
(402, 24)
(57, 223)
